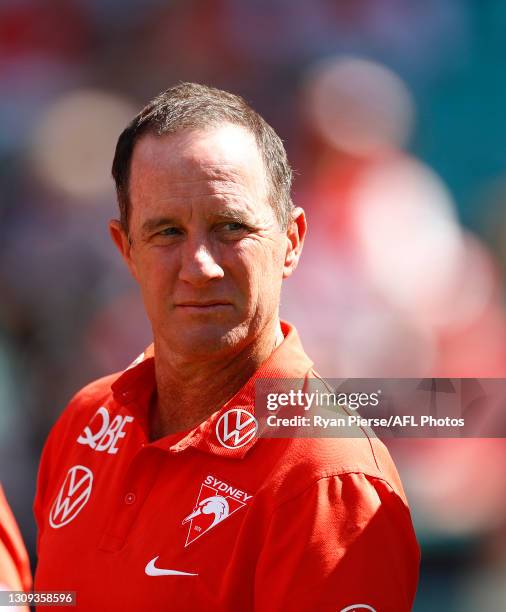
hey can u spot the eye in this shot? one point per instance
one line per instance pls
(169, 231)
(234, 226)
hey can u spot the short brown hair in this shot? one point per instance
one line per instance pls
(190, 105)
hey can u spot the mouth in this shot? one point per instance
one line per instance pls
(203, 306)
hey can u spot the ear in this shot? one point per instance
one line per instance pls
(122, 242)
(295, 234)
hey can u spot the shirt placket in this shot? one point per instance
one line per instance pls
(130, 496)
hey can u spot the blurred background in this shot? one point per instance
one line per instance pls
(392, 112)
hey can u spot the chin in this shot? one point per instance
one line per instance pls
(204, 340)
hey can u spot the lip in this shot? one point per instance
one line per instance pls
(211, 305)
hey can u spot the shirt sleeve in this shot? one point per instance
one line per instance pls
(346, 541)
(14, 564)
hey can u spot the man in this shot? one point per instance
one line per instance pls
(154, 491)
(15, 574)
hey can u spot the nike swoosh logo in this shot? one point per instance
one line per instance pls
(152, 570)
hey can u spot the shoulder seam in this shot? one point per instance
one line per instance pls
(339, 474)
(329, 388)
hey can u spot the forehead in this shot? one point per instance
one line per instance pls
(197, 161)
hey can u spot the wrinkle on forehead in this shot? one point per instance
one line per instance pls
(220, 160)
(204, 188)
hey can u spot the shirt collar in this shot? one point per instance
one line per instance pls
(137, 384)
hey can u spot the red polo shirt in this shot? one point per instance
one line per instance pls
(15, 571)
(206, 520)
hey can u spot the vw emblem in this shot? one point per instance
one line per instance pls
(235, 428)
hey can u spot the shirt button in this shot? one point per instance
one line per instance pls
(130, 498)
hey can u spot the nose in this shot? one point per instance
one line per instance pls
(198, 264)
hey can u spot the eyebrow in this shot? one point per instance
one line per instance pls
(152, 224)
(155, 223)
(234, 215)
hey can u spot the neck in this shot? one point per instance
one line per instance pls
(189, 391)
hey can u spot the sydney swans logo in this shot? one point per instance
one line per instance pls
(216, 502)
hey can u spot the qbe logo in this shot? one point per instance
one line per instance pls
(72, 497)
(108, 434)
(235, 428)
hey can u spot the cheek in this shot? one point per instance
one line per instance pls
(258, 271)
(155, 272)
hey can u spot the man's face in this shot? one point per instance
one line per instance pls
(206, 247)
